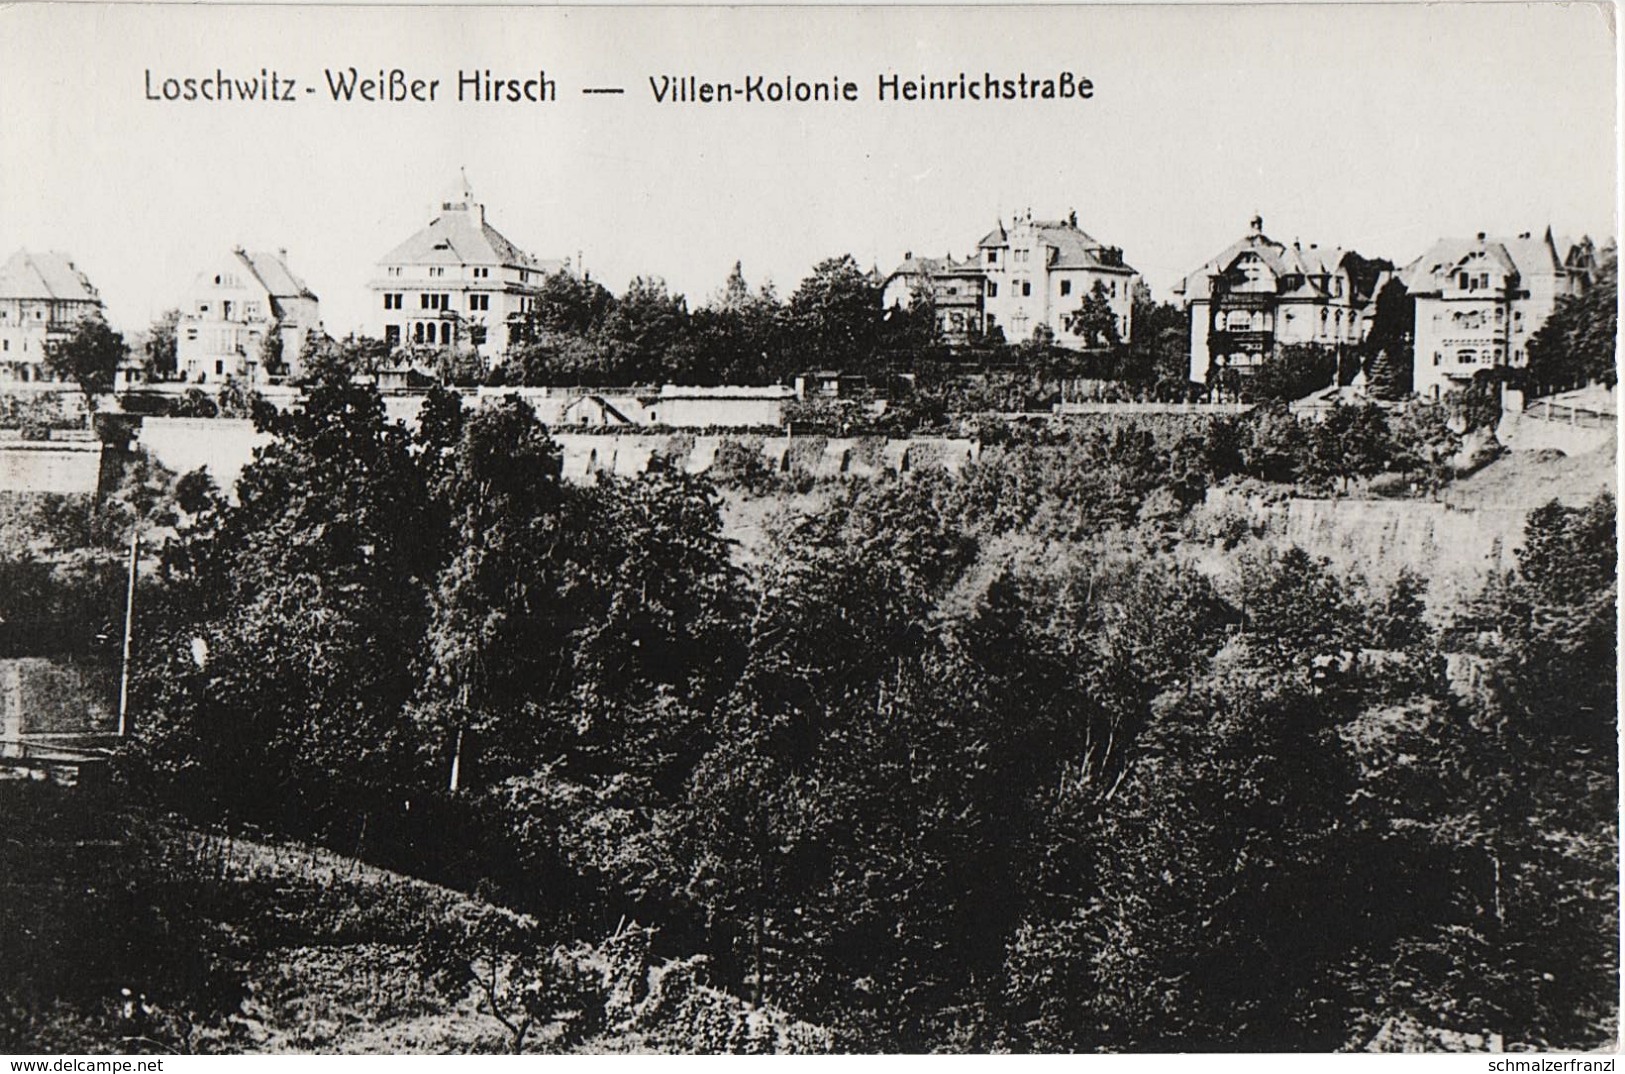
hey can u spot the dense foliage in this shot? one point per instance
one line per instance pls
(1014, 760)
(1575, 346)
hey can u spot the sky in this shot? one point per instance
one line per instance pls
(1373, 127)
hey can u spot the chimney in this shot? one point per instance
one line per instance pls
(1480, 236)
(1257, 224)
(282, 254)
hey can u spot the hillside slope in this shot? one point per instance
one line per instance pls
(126, 933)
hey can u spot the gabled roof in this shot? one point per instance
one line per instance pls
(51, 276)
(1523, 256)
(1310, 265)
(274, 274)
(1074, 248)
(1255, 242)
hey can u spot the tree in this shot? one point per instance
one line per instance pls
(731, 340)
(1350, 442)
(735, 294)
(496, 628)
(161, 344)
(1555, 618)
(833, 319)
(272, 675)
(1094, 321)
(568, 303)
(1424, 444)
(647, 325)
(1576, 344)
(270, 356)
(520, 978)
(329, 361)
(1161, 343)
(1292, 372)
(90, 357)
(1387, 353)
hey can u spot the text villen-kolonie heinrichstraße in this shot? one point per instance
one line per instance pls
(350, 85)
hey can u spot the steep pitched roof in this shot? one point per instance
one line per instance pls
(1309, 264)
(1076, 249)
(44, 276)
(460, 236)
(274, 275)
(1269, 251)
(1524, 256)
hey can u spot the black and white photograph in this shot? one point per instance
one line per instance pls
(823, 530)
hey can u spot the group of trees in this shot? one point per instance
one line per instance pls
(1575, 346)
(579, 333)
(951, 763)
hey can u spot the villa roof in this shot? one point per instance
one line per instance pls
(1524, 256)
(51, 276)
(460, 236)
(1308, 265)
(1074, 248)
(274, 274)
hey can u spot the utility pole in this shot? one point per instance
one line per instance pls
(129, 624)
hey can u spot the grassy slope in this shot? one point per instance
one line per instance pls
(256, 946)
(1531, 478)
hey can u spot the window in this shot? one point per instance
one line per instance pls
(445, 332)
(393, 270)
(1026, 287)
(481, 273)
(476, 336)
(993, 257)
(437, 271)
(191, 335)
(1066, 287)
(479, 302)
(1466, 357)
(992, 289)
(393, 301)
(392, 334)
(219, 367)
